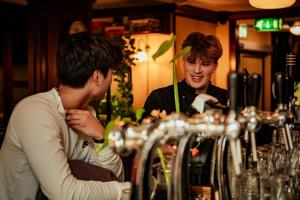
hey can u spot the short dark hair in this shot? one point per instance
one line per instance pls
(206, 48)
(82, 54)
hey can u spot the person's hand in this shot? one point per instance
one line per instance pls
(84, 121)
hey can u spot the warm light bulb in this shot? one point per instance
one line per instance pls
(142, 56)
(295, 29)
(268, 4)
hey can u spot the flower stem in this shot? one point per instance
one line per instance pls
(164, 164)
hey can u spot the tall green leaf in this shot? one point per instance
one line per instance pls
(164, 164)
(139, 114)
(164, 47)
(176, 95)
(297, 94)
(183, 52)
(107, 130)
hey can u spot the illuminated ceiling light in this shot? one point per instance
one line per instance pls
(268, 4)
(295, 29)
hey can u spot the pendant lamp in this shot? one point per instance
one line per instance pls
(271, 4)
(295, 29)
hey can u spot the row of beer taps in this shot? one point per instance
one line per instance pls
(242, 120)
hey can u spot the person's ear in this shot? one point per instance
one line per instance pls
(97, 77)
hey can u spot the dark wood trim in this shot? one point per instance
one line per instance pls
(46, 23)
(133, 10)
(12, 13)
(286, 12)
(7, 76)
(197, 13)
(253, 53)
(20, 84)
(31, 50)
(233, 45)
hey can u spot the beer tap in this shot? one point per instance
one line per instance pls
(173, 127)
(232, 125)
(282, 111)
(290, 77)
(209, 124)
(251, 111)
(231, 134)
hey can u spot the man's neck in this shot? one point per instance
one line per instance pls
(73, 97)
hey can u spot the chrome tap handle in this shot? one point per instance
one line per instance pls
(252, 127)
(253, 146)
(232, 133)
(288, 134)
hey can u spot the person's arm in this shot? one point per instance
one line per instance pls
(86, 122)
(43, 142)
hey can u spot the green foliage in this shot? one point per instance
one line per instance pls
(183, 52)
(107, 130)
(164, 164)
(297, 94)
(163, 48)
(122, 98)
(139, 114)
(176, 94)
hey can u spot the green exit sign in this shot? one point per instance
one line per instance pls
(268, 24)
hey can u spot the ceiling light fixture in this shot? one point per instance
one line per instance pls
(295, 29)
(267, 4)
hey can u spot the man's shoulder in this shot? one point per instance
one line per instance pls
(165, 89)
(36, 101)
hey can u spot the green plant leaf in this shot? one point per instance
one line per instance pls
(138, 114)
(164, 164)
(176, 95)
(107, 130)
(164, 47)
(183, 52)
(297, 94)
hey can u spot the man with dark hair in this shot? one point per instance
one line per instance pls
(47, 130)
(199, 65)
